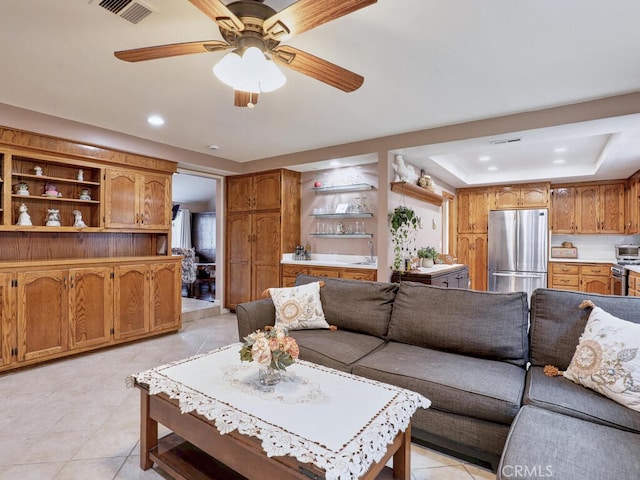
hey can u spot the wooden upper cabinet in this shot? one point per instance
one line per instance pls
(531, 195)
(256, 192)
(473, 210)
(137, 200)
(632, 205)
(563, 210)
(600, 208)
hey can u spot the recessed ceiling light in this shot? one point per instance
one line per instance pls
(484, 158)
(155, 120)
(492, 169)
(559, 150)
(213, 147)
(559, 160)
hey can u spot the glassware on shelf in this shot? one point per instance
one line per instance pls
(364, 208)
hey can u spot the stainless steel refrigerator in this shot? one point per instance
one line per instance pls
(518, 249)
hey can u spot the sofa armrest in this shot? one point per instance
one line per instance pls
(254, 315)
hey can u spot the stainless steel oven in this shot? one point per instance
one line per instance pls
(618, 280)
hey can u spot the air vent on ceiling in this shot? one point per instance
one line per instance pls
(505, 140)
(133, 11)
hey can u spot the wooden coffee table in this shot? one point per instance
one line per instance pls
(199, 397)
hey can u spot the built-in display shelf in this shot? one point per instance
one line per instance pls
(354, 187)
(342, 215)
(342, 235)
(417, 192)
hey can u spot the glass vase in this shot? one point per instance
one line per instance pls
(268, 376)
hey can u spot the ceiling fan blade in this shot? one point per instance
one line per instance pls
(219, 13)
(304, 15)
(172, 50)
(317, 68)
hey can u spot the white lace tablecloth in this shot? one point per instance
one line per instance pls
(342, 423)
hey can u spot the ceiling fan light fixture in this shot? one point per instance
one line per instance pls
(251, 72)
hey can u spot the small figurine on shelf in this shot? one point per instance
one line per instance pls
(425, 180)
(84, 194)
(24, 219)
(78, 222)
(80, 175)
(50, 190)
(38, 171)
(22, 189)
(53, 217)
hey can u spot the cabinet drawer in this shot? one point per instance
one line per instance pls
(561, 281)
(320, 272)
(359, 274)
(565, 269)
(293, 270)
(597, 270)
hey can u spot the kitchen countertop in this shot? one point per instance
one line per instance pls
(583, 260)
(332, 260)
(633, 268)
(435, 269)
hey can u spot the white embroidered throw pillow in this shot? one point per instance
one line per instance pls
(299, 308)
(606, 358)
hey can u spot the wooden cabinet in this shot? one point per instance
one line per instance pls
(472, 251)
(634, 284)
(42, 314)
(530, 195)
(600, 208)
(132, 300)
(137, 200)
(632, 205)
(6, 342)
(472, 210)
(290, 272)
(165, 296)
(584, 277)
(261, 191)
(262, 223)
(90, 306)
(588, 208)
(563, 210)
(61, 311)
(455, 277)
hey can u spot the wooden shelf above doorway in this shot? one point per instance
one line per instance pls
(415, 191)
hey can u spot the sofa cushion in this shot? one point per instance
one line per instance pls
(474, 387)
(480, 324)
(606, 359)
(336, 349)
(557, 322)
(356, 305)
(563, 396)
(545, 444)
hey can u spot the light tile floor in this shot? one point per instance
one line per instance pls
(75, 419)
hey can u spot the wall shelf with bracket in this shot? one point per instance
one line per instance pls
(417, 192)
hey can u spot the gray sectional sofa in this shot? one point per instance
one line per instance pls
(471, 354)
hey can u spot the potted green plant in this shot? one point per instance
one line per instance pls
(404, 225)
(427, 256)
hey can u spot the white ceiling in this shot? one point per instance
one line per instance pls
(426, 63)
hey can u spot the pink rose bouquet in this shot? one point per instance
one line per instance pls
(270, 348)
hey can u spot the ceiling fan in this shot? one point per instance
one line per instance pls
(250, 23)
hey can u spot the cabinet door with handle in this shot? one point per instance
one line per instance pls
(238, 259)
(90, 306)
(265, 252)
(131, 300)
(43, 312)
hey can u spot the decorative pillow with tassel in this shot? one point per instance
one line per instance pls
(298, 308)
(606, 359)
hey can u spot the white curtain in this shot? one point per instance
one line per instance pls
(181, 230)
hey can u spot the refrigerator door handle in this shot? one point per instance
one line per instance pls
(518, 275)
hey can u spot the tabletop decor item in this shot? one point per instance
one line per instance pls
(84, 194)
(273, 349)
(50, 190)
(427, 255)
(22, 189)
(24, 219)
(78, 222)
(53, 217)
